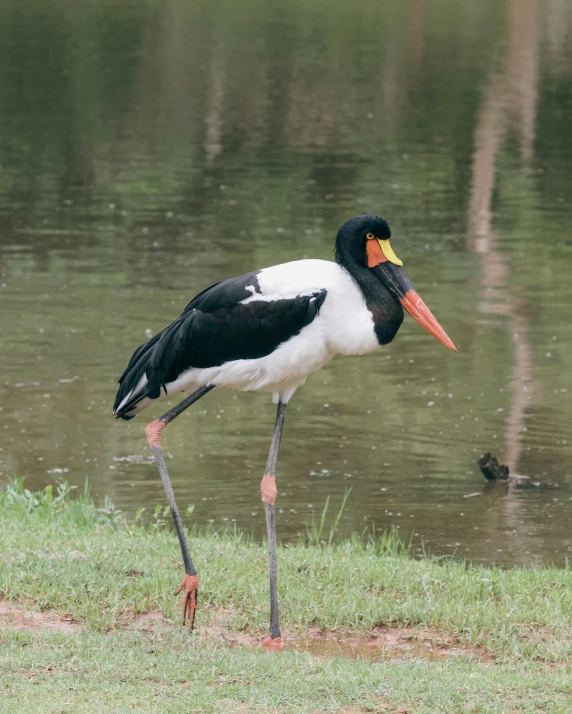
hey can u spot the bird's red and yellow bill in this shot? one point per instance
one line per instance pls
(388, 267)
(380, 251)
(420, 312)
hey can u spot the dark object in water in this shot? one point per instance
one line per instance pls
(492, 470)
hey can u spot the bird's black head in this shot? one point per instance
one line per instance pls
(363, 248)
(354, 235)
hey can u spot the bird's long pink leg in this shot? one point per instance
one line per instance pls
(190, 584)
(269, 493)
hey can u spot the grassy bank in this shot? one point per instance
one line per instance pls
(92, 568)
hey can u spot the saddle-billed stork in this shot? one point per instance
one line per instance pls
(267, 331)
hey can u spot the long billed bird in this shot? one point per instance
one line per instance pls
(267, 331)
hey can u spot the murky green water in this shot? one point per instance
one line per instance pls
(150, 149)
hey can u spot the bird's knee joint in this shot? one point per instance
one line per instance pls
(268, 490)
(153, 432)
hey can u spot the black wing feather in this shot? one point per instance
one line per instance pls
(227, 293)
(221, 332)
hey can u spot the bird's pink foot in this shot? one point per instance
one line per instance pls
(190, 586)
(273, 643)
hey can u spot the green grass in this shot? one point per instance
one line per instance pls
(102, 673)
(61, 554)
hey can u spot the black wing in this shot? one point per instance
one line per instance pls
(226, 294)
(211, 337)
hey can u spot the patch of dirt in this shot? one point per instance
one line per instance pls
(31, 673)
(27, 620)
(134, 573)
(387, 642)
(152, 621)
(218, 630)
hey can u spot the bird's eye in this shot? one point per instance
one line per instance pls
(370, 236)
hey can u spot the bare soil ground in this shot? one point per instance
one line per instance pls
(384, 642)
(25, 619)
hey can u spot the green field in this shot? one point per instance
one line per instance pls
(78, 583)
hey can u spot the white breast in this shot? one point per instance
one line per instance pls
(346, 323)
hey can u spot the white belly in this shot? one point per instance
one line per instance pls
(280, 372)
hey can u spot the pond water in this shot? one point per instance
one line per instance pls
(150, 149)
